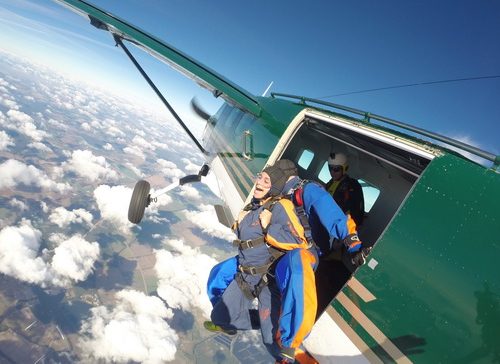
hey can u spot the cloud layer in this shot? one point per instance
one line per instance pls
(183, 275)
(135, 328)
(14, 173)
(72, 261)
(85, 164)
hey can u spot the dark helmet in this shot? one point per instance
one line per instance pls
(279, 173)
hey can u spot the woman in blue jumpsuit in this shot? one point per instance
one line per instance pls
(283, 284)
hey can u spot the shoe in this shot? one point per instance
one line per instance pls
(210, 326)
(283, 361)
(287, 356)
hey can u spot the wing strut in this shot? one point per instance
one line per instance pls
(119, 42)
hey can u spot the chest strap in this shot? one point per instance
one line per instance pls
(247, 244)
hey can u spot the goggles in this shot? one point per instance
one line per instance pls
(335, 168)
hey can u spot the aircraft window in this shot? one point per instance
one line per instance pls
(324, 175)
(305, 158)
(370, 194)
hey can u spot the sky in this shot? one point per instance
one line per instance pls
(315, 49)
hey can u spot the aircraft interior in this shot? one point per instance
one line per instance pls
(385, 172)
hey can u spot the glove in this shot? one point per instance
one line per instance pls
(352, 243)
(359, 258)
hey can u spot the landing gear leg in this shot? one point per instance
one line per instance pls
(141, 197)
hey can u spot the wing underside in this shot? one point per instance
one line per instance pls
(188, 66)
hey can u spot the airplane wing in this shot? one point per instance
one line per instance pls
(193, 69)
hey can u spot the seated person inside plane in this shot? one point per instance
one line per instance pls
(346, 191)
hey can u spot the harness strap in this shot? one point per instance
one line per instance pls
(247, 289)
(244, 286)
(264, 281)
(255, 270)
(297, 197)
(247, 244)
(276, 253)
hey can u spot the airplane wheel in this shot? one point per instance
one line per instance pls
(139, 201)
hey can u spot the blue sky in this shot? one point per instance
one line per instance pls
(315, 48)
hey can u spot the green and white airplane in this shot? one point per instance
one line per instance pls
(430, 289)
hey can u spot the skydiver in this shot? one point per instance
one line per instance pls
(266, 229)
(294, 272)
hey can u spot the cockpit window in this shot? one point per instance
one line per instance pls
(370, 194)
(324, 175)
(305, 159)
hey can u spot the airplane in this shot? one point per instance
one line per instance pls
(429, 291)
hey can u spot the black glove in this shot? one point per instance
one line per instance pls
(359, 258)
(352, 243)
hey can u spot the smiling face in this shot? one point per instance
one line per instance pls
(262, 185)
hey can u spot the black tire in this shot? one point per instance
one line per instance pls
(139, 201)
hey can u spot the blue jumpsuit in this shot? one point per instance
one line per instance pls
(287, 305)
(328, 222)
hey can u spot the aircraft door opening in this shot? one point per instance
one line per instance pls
(387, 172)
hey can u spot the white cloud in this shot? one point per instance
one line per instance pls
(134, 169)
(23, 123)
(190, 167)
(11, 104)
(207, 221)
(57, 172)
(40, 146)
(85, 164)
(74, 260)
(183, 276)
(58, 238)
(190, 192)
(19, 204)
(113, 203)
(161, 145)
(44, 206)
(14, 172)
(86, 126)
(62, 217)
(18, 253)
(108, 146)
(134, 150)
(134, 329)
(166, 164)
(115, 132)
(141, 142)
(57, 124)
(169, 169)
(5, 141)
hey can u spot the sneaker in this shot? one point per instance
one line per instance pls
(210, 326)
